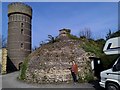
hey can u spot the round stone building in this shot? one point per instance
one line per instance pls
(19, 32)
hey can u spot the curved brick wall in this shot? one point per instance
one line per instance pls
(19, 32)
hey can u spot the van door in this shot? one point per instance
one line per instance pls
(116, 69)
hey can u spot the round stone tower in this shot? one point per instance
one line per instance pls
(19, 32)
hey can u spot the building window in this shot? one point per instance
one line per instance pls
(11, 18)
(16, 17)
(25, 18)
(21, 31)
(21, 45)
(109, 45)
(21, 24)
(19, 17)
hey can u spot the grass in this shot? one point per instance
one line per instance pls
(23, 70)
(91, 46)
(73, 37)
(96, 48)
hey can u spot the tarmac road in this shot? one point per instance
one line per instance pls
(10, 81)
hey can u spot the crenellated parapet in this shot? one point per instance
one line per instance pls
(19, 8)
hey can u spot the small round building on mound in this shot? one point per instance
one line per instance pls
(50, 62)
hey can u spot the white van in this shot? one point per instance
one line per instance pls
(110, 79)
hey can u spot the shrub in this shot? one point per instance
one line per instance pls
(73, 37)
(23, 70)
(80, 79)
(86, 78)
(91, 46)
(96, 47)
(89, 77)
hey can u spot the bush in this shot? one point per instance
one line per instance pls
(87, 78)
(23, 70)
(80, 79)
(73, 37)
(108, 60)
(91, 46)
(96, 47)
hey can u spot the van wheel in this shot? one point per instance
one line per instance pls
(112, 86)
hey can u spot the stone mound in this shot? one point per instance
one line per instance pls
(50, 62)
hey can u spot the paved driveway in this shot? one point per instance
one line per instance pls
(10, 81)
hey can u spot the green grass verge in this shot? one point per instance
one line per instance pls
(24, 66)
(91, 46)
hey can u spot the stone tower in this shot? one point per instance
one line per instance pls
(19, 32)
(64, 32)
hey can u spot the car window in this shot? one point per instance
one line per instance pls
(118, 64)
(109, 45)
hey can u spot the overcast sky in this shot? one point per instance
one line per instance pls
(50, 17)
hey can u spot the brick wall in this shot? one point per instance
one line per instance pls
(4, 60)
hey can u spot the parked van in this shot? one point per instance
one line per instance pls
(110, 79)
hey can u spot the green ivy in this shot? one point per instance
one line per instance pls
(23, 70)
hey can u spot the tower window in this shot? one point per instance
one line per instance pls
(21, 24)
(25, 19)
(19, 17)
(21, 31)
(22, 18)
(13, 18)
(21, 45)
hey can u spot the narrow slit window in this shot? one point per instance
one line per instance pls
(21, 31)
(21, 45)
(13, 18)
(21, 24)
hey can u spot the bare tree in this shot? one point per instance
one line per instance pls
(86, 33)
(4, 41)
(109, 34)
